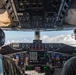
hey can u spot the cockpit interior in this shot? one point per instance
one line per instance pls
(49, 58)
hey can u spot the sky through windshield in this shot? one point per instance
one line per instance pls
(46, 37)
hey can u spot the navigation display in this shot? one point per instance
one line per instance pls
(57, 56)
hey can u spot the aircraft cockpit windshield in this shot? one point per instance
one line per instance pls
(66, 37)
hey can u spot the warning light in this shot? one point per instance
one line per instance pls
(46, 54)
(29, 68)
(45, 67)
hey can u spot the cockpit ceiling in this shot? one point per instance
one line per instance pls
(69, 19)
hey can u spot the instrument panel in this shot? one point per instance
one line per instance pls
(43, 57)
(41, 53)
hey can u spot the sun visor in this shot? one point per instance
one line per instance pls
(71, 17)
(4, 19)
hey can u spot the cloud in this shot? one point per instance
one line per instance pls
(67, 39)
(17, 41)
(45, 38)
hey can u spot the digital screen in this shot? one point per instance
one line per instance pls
(33, 56)
(57, 56)
(17, 56)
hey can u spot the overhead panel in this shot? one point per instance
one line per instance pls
(37, 14)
